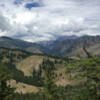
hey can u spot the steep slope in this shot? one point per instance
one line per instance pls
(73, 46)
(27, 65)
(19, 44)
(11, 57)
(32, 62)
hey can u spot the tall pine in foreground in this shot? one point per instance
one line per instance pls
(50, 89)
(6, 92)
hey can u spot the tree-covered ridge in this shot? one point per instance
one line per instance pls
(83, 71)
(85, 68)
(12, 55)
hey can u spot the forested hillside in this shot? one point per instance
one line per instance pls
(47, 77)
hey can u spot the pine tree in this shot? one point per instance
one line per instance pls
(50, 89)
(6, 92)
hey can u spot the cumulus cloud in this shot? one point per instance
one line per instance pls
(4, 23)
(36, 20)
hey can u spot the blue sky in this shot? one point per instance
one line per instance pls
(37, 20)
(31, 5)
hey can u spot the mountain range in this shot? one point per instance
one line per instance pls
(63, 46)
(72, 46)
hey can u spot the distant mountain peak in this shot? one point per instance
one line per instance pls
(67, 37)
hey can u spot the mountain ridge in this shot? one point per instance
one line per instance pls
(8, 42)
(72, 47)
(63, 46)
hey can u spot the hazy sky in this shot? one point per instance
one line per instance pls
(36, 20)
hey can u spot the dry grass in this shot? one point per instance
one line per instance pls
(23, 88)
(61, 79)
(29, 63)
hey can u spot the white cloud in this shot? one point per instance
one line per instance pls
(52, 19)
(25, 18)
